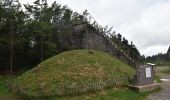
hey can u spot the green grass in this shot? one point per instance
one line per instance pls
(111, 94)
(164, 69)
(158, 79)
(4, 89)
(73, 72)
(106, 94)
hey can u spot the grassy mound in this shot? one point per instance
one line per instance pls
(73, 72)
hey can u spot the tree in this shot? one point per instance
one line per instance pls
(29, 36)
(40, 15)
(125, 41)
(134, 52)
(119, 37)
(11, 28)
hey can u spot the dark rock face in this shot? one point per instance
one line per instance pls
(86, 37)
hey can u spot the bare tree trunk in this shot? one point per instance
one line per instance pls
(61, 38)
(41, 35)
(41, 49)
(11, 51)
(88, 42)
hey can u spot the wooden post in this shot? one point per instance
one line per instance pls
(168, 54)
(169, 60)
(41, 49)
(88, 46)
(41, 36)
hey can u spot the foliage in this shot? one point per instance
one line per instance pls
(159, 59)
(41, 31)
(73, 72)
(11, 20)
(4, 89)
(157, 78)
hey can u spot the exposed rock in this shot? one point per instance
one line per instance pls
(86, 37)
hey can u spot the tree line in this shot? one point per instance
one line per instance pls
(159, 59)
(38, 31)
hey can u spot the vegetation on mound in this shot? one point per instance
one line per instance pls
(72, 73)
(107, 94)
(4, 89)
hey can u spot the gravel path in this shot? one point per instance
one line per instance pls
(163, 94)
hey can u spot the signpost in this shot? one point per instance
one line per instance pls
(148, 72)
(144, 80)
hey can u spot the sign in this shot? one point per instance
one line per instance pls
(148, 72)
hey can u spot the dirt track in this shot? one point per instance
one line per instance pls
(164, 93)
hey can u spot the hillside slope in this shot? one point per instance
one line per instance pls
(73, 72)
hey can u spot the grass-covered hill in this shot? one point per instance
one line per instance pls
(73, 73)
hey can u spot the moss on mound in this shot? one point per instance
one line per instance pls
(73, 72)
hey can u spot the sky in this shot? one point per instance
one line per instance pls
(145, 22)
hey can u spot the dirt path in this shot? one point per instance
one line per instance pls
(8, 98)
(163, 94)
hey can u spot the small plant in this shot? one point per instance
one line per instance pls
(158, 79)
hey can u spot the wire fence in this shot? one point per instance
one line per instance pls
(73, 89)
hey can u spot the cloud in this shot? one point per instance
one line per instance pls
(154, 49)
(151, 30)
(145, 22)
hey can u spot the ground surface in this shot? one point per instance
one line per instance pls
(5, 94)
(107, 94)
(163, 94)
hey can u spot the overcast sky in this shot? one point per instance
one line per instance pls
(145, 22)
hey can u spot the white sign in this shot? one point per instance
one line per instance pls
(148, 72)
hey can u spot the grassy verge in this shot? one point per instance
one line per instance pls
(4, 91)
(166, 71)
(158, 79)
(107, 94)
